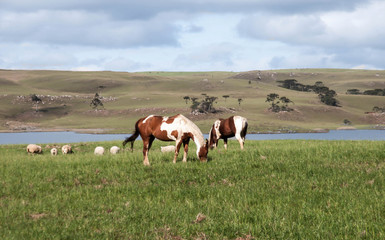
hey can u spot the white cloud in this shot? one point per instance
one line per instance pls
(33, 56)
(133, 9)
(296, 29)
(124, 64)
(85, 28)
(338, 38)
(363, 27)
(359, 28)
(191, 34)
(208, 57)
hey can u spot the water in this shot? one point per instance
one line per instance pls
(374, 135)
(56, 137)
(70, 137)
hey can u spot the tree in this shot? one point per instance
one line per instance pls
(377, 92)
(100, 88)
(96, 102)
(225, 97)
(205, 105)
(328, 98)
(239, 101)
(347, 122)
(289, 84)
(319, 84)
(285, 101)
(272, 98)
(378, 109)
(36, 100)
(353, 91)
(186, 98)
(325, 94)
(195, 103)
(321, 89)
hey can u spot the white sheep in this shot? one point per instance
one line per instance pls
(169, 148)
(99, 150)
(66, 149)
(53, 151)
(33, 148)
(114, 150)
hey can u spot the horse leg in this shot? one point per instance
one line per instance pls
(145, 156)
(146, 145)
(152, 138)
(145, 151)
(177, 147)
(185, 144)
(225, 143)
(240, 140)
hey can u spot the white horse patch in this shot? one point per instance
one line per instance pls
(144, 121)
(169, 127)
(217, 124)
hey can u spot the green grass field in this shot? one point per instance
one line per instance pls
(135, 95)
(281, 189)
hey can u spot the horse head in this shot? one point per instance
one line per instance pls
(202, 154)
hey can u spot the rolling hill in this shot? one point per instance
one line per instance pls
(66, 98)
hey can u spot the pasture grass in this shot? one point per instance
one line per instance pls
(279, 189)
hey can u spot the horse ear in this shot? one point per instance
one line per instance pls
(207, 142)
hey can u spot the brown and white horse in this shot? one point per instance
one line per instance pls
(227, 128)
(176, 128)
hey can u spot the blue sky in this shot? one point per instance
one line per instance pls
(191, 35)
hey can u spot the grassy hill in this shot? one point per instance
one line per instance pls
(127, 96)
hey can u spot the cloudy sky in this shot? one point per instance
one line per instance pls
(191, 35)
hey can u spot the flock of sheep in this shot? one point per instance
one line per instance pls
(66, 149)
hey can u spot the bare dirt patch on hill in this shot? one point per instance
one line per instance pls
(375, 118)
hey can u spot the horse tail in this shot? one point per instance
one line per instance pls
(244, 129)
(132, 137)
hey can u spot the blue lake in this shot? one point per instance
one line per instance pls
(70, 137)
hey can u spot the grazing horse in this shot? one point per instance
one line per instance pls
(227, 128)
(176, 128)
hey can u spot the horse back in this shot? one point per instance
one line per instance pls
(162, 128)
(227, 127)
(148, 125)
(232, 125)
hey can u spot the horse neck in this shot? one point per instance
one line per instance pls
(190, 127)
(215, 130)
(210, 133)
(199, 140)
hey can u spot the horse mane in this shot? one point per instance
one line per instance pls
(196, 131)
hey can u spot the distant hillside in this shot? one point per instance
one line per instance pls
(66, 98)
